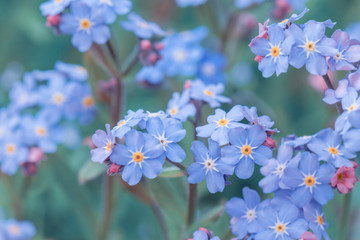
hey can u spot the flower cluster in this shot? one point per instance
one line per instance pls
(31, 123)
(151, 138)
(306, 44)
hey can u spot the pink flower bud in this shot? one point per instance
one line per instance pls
(258, 58)
(145, 45)
(344, 179)
(187, 84)
(36, 155)
(269, 142)
(308, 236)
(53, 21)
(159, 46)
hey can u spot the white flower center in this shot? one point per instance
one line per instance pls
(208, 69)
(179, 55)
(250, 215)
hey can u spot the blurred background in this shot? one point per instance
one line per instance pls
(62, 208)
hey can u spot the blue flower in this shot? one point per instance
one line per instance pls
(309, 181)
(246, 3)
(251, 115)
(142, 155)
(294, 17)
(148, 115)
(104, 142)
(211, 68)
(140, 27)
(327, 145)
(82, 103)
(353, 31)
(72, 71)
(23, 94)
(131, 119)
(352, 140)
(334, 96)
(179, 106)
(244, 213)
(208, 165)
(274, 169)
(219, 124)
(9, 121)
(311, 47)
(246, 149)
(313, 213)
(42, 131)
(13, 152)
(109, 8)
(86, 25)
(347, 53)
(14, 230)
(276, 51)
(53, 7)
(186, 3)
(208, 93)
(180, 58)
(282, 221)
(168, 133)
(150, 74)
(297, 143)
(351, 106)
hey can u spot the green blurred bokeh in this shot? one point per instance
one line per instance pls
(61, 208)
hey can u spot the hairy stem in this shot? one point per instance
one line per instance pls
(193, 187)
(157, 211)
(178, 165)
(107, 211)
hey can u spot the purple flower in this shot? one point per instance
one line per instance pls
(276, 51)
(346, 52)
(245, 149)
(327, 145)
(294, 17)
(351, 106)
(208, 93)
(334, 96)
(104, 142)
(252, 116)
(311, 47)
(86, 25)
(142, 155)
(140, 27)
(179, 106)
(310, 181)
(208, 165)
(219, 125)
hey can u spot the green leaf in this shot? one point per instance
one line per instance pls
(171, 172)
(89, 171)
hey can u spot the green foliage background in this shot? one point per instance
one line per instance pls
(61, 208)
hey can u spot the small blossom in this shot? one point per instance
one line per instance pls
(208, 93)
(344, 179)
(105, 142)
(140, 27)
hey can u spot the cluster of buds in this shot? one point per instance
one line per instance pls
(149, 52)
(53, 22)
(29, 168)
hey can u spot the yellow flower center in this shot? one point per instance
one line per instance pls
(173, 111)
(58, 98)
(85, 24)
(121, 123)
(138, 157)
(284, 21)
(352, 107)
(14, 230)
(280, 227)
(88, 101)
(310, 46)
(10, 148)
(275, 51)
(310, 181)
(223, 122)
(109, 146)
(58, 1)
(320, 220)
(333, 150)
(144, 24)
(208, 92)
(41, 131)
(246, 150)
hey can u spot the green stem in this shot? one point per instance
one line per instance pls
(330, 86)
(345, 215)
(107, 211)
(157, 211)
